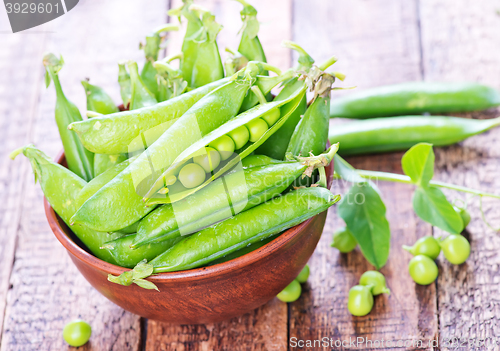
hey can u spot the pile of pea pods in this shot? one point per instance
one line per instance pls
(200, 163)
(205, 160)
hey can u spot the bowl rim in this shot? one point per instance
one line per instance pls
(187, 275)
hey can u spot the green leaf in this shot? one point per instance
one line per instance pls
(123, 279)
(146, 284)
(363, 211)
(142, 270)
(418, 163)
(431, 205)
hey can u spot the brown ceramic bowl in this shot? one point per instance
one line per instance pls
(208, 294)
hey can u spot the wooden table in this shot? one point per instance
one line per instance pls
(378, 42)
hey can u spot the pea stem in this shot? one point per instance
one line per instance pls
(400, 178)
(328, 63)
(260, 96)
(167, 28)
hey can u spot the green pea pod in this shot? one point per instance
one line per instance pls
(140, 94)
(120, 250)
(234, 192)
(275, 147)
(209, 113)
(80, 160)
(241, 230)
(240, 120)
(311, 133)
(98, 100)
(243, 251)
(151, 49)
(259, 160)
(131, 229)
(171, 81)
(61, 188)
(189, 46)
(114, 134)
(415, 98)
(401, 133)
(266, 84)
(277, 144)
(250, 45)
(207, 67)
(125, 84)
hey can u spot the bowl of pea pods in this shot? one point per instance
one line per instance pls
(203, 195)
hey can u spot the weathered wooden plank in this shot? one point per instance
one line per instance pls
(18, 101)
(460, 42)
(377, 43)
(46, 290)
(266, 327)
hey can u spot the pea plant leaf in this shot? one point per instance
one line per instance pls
(418, 163)
(363, 211)
(431, 205)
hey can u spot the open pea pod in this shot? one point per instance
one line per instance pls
(292, 100)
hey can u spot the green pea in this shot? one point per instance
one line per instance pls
(456, 248)
(360, 301)
(423, 270)
(303, 275)
(77, 332)
(257, 128)
(208, 161)
(376, 280)
(224, 145)
(192, 175)
(240, 136)
(464, 214)
(343, 240)
(291, 293)
(272, 116)
(427, 246)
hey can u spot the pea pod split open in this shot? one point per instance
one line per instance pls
(208, 114)
(414, 98)
(400, 133)
(241, 230)
(232, 193)
(237, 122)
(114, 133)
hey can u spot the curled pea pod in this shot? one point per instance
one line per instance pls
(124, 82)
(114, 134)
(235, 192)
(241, 230)
(124, 256)
(414, 98)
(245, 142)
(151, 49)
(99, 101)
(80, 160)
(62, 188)
(207, 65)
(189, 46)
(140, 96)
(171, 82)
(401, 133)
(128, 188)
(250, 45)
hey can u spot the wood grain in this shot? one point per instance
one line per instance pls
(46, 291)
(266, 327)
(371, 52)
(460, 43)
